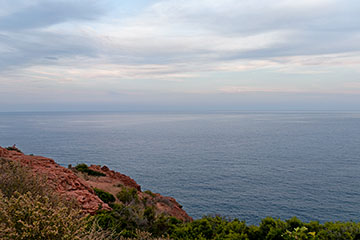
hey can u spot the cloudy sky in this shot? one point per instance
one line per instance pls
(179, 55)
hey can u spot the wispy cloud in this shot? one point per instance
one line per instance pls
(41, 14)
(202, 46)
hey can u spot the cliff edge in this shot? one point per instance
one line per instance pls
(80, 186)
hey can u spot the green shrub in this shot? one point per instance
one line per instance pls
(85, 169)
(269, 228)
(127, 195)
(299, 233)
(128, 220)
(211, 228)
(14, 148)
(339, 231)
(150, 193)
(149, 213)
(104, 196)
(272, 228)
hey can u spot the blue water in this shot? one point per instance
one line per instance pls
(244, 165)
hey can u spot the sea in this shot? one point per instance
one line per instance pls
(245, 165)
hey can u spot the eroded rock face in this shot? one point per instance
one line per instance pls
(115, 177)
(80, 186)
(63, 180)
(113, 181)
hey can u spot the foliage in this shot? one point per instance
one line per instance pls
(269, 228)
(95, 232)
(31, 210)
(140, 235)
(299, 233)
(211, 228)
(14, 148)
(127, 195)
(131, 217)
(85, 169)
(104, 196)
(127, 220)
(25, 216)
(150, 193)
(15, 177)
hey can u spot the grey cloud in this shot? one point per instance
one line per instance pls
(321, 27)
(47, 13)
(305, 43)
(253, 16)
(313, 30)
(315, 27)
(25, 42)
(43, 48)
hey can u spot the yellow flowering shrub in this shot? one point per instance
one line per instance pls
(25, 216)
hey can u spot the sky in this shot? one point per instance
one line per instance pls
(145, 55)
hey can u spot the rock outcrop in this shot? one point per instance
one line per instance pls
(62, 180)
(79, 186)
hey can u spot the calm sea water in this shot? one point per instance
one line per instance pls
(244, 165)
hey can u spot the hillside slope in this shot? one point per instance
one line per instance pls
(80, 186)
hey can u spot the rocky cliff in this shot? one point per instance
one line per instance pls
(79, 186)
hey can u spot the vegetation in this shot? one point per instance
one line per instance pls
(127, 220)
(85, 169)
(16, 178)
(132, 218)
(31, 210)
(269, 228)
(150, 193)
(14, 148)
(104, 196)
(25, 216)
(127, 195)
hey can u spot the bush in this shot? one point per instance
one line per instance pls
(298, 233)
(211, 228)
(104, 196)
(269, 228)
(130, 217)
(128, 221)
(15, 177)
(14, 148)
(95, 232)
(127, 195)
(28, 216)
(85, 169)
(29, 209)
(150, 193)
(149, 213)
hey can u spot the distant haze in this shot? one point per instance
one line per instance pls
(71, 55)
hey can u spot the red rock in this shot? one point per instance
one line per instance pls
(63, 180)
(70, 185)
(116, 177)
